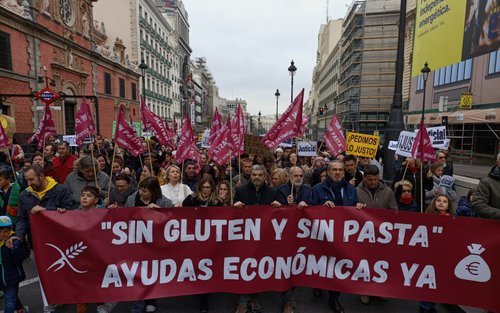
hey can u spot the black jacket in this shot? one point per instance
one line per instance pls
(249, 196)
(11, 264)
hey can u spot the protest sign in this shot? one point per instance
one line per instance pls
(204, 138)
(137, 253)
(254, 146)
(290, 142)
(446, 181)
(393, 145)
(307, 148)
(71, 139)
(361, 144)
(405, 143)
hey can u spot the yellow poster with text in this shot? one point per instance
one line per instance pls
(439, 33)
(361, 144)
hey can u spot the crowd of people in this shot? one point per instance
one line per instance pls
(100, 175)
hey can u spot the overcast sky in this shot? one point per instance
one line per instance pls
(248, 45)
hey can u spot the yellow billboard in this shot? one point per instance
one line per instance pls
(450, 31)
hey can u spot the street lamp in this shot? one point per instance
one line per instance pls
(143, 67)
(45, 79)
(425, 73)
(277, 94)
(259, 126)
(291, 70)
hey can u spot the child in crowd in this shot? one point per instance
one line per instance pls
(89, 199)
(440, 205)
(11, 267)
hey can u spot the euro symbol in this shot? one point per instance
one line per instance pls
(473, 268)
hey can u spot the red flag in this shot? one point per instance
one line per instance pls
(215, 127)
(152, 121)
(239, 132)
(422, 146)
(4, 139)
(171, 136)
(84, 124)
(334, 138)
(125, 136)
(45, 129)
(221, 150)
(289, 125)
(186, 147)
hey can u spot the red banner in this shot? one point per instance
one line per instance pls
(125, 136)
(84, 124)
(137, 253)
(334, 138)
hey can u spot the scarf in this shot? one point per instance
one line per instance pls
(2, 242)
(336, 190)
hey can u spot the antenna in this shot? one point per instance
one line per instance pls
(327, 7)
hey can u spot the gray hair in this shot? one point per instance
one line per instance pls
(258, 167)
(86, 162)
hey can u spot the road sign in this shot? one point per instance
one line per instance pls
(47, 95)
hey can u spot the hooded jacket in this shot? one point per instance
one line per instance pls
(486, 199)
(52, 197)
(75, 183)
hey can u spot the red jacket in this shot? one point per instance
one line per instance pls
(63, 167)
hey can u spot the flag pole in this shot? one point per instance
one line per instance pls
(150, 157)
(12, 164)
(111, 171)
(231, 178)
(93, 162)
(43, 149)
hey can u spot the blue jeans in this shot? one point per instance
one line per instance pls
(138, 306)
(12, 302)
(427, 305)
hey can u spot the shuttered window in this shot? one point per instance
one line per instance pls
(5, 55)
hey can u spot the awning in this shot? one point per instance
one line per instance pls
(458, 117)
(429, 118)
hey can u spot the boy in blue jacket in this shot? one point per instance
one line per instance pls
(11, 267)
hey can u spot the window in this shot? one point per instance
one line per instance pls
(107, 83)
(420, 82)
(453, 73)
(122, 87)
(5, 55)
(494, 64)
(134, 91)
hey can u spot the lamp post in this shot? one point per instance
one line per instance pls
(45, 79)
(143, 67)
(291, 70)
(277, 94)
(425, 73)
(259, 124)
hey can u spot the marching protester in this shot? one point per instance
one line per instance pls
(352, 173)
(486, 199)
(438, 189)
(64, 162)
(190, 178)
(122, 189)
(174, 189)
(410, 171)
(244, 177)
(278, 177)
(86, 173)
(335, 191)
(299, 194)
(255, 192)
(9, 195)
(48, 169)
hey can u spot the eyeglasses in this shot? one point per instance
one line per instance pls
(442, 157)
(407, 190)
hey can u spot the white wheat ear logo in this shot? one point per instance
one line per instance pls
(70, 253)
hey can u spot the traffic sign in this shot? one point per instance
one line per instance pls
(47, 95)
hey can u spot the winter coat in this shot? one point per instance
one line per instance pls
(383, 198)
(57, 197)
(323, 192)
(464, 208)
(250, 196)
(11, 264)
(486, 199)
(120, 198)
(304, 194)
(430, 195)
(162, 202)
(75, 183)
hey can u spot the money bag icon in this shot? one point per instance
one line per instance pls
(473, 267)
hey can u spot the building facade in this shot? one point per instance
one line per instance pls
(367, 65)
(51, 44)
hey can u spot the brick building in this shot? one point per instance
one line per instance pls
(59, 45)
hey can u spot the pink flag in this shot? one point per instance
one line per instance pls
(422, 146)
(289, 125)
(4, 139)
(84, 124)
(171, 136)
(45, 129)
(186, 147)
(238, 132)
(215, 127)
(221, 150)
(334, 138)
(153, 121)
(125, 136)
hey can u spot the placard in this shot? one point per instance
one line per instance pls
(362, 145)
(307, 148)
(405, 143)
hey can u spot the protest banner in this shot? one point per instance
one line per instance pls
(71, 139)
(450, 31)
(405, 143)
(437, 135)
(307, 148)
(137, 253)
(361, 144)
